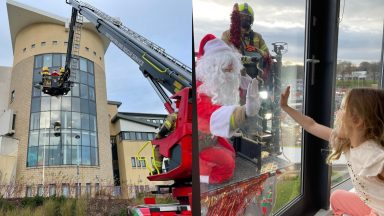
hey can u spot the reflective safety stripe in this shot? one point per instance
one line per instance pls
(232, 121)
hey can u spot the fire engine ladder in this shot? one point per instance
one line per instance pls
(75, 58)
(137, 36)
(73, 49)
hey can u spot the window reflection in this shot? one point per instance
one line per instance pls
(265, 152)
(78, 127)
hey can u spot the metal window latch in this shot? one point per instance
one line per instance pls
(313, 61)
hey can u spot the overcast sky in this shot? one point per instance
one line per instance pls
(360, 33)
(167, 23)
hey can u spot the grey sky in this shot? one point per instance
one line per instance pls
(360, 31)
(167, 23)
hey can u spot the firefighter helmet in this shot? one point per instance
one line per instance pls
(246, 10)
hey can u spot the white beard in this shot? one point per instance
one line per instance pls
(222, 87)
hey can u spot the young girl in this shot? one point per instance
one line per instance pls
(359, 135)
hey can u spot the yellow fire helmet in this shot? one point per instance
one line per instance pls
(247, 10)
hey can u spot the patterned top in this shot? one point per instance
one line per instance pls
(365, 162)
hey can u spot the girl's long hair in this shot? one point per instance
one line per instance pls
(366, 104)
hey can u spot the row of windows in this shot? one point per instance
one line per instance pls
(58, 60)
(68, 120)
(64, 104)
(156, 121)
(67, 137)
(62, 155)
(65, 189)
(131, 135)
(139, 163)
(76, 76)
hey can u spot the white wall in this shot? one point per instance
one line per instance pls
(8, 146)
(6, 120)
(126, 125)
(5, 82)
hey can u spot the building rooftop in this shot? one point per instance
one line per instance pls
(21, 16)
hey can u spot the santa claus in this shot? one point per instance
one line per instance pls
(219, 113)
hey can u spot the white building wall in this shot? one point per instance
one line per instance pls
(5, 82)
(126, 125)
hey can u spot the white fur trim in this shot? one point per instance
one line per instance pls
(204, 179)
(220, 121)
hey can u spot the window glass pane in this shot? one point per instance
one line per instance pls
(45, 118)
(76, 104)
(83, 64)
(75, 76)
(90, 67)
(67, 155)
(44, 137)
(55, 155)
(35, 105)
(92, 107)
(142, 163)
(39, 61)
(52, 190)
(65, 190)
(144, 136)
(92, 123)
(47, 60)
(75, 91)
(76, 120)
(85, 141)
(55, 103)
(35, 121)
(85, 155)
(94, 156)
(91, 80)
(76, 154)
(34, 138)
(45, 103)
(75, 63)
(84, 121)
(133, 161)
(54, 140)
(360, 45)
(273, 140)
(32, 157)
(138, 136)
(132, 135)
(93, 139)
(91, 93)
(56, 60)
(76, 137)
(36, 77)
(83, 91)
(36, 92)
(55, 117)
(84, 108)
(66, 136)
(63, 57)
(66, 120)
(66, 103)
(84, 76)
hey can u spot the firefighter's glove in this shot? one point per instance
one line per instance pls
(252, 101)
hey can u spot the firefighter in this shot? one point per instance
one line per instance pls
(46, 77)
(249, 43)
(168, 126)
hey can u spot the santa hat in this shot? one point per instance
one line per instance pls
(210, 44)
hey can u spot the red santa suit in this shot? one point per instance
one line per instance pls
(217, 161)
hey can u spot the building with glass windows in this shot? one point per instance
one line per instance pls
(130, 137)
(81, 154)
